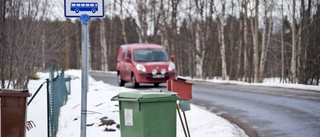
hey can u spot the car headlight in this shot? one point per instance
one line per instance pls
(141, 68)
(154, 72)
(171, 66)
(163, 71)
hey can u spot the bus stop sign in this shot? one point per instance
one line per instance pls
(75, 8)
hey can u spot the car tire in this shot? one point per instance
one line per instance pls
(120, 81)
(135, 84)
(156, 84)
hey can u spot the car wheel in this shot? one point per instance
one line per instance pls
(135, 84)
(156, 84)
(120, 81)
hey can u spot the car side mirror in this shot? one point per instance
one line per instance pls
(172, 58)
(127, 59)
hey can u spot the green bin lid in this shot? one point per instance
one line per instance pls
(145, 96)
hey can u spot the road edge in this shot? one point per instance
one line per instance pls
(249, 130)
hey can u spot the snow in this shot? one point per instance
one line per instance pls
(202, 123)
(269, 82)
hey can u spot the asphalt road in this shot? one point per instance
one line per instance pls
(260, 111)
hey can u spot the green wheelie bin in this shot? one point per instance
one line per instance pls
(147, 113)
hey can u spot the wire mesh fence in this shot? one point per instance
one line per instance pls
(58, 89)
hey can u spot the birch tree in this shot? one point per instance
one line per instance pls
(175, 48)
(174, 28)
(293, 68)
(256, 43)
(303, 40)
(245, 36)
(142, 17)
(198, 37)
(164, 32)
(222, 40)
(266, 34)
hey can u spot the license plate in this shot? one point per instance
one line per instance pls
(158, 76)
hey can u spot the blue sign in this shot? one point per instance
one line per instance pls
(75, 8)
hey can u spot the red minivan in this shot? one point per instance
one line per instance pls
(144, 63)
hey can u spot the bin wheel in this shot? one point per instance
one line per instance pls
(135, 84)
(120, 81)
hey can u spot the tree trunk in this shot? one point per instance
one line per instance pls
(293, 68)
(2, 43)
(78, 45)
(122, 19)
(265, 40)
(199, 50)
(104, 56)
(173, 45)
(67, 45)
(241, 19)
(232, 41)
(300, 42)
(282, 46)
(308, 43)
(245, 36)
(222, 42)
(142, 16)
(164, 35)
(256, 44)
(43, 43)
(199, 62)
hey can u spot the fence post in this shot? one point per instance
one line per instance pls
(48, 108)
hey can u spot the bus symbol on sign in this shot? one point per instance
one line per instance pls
(84, 6)
(75, 8)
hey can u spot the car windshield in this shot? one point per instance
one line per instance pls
(150, 55)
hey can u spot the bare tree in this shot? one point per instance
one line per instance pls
(24, 41)
(222, 40)
(67, 43)
(198, 40)
(265, 38)
(282, 45)
(2, 42)
(231, 36)
(174, 29)
(124, 34)
(103, 44)
(303, 40)
(240, 40)
(142, 17)
(245, 36)
(293, 68)
(164, 32)
(256, 43)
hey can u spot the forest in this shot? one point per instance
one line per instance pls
(246, 40)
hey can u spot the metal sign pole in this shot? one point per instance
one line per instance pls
(76, 9)
(84, 73)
